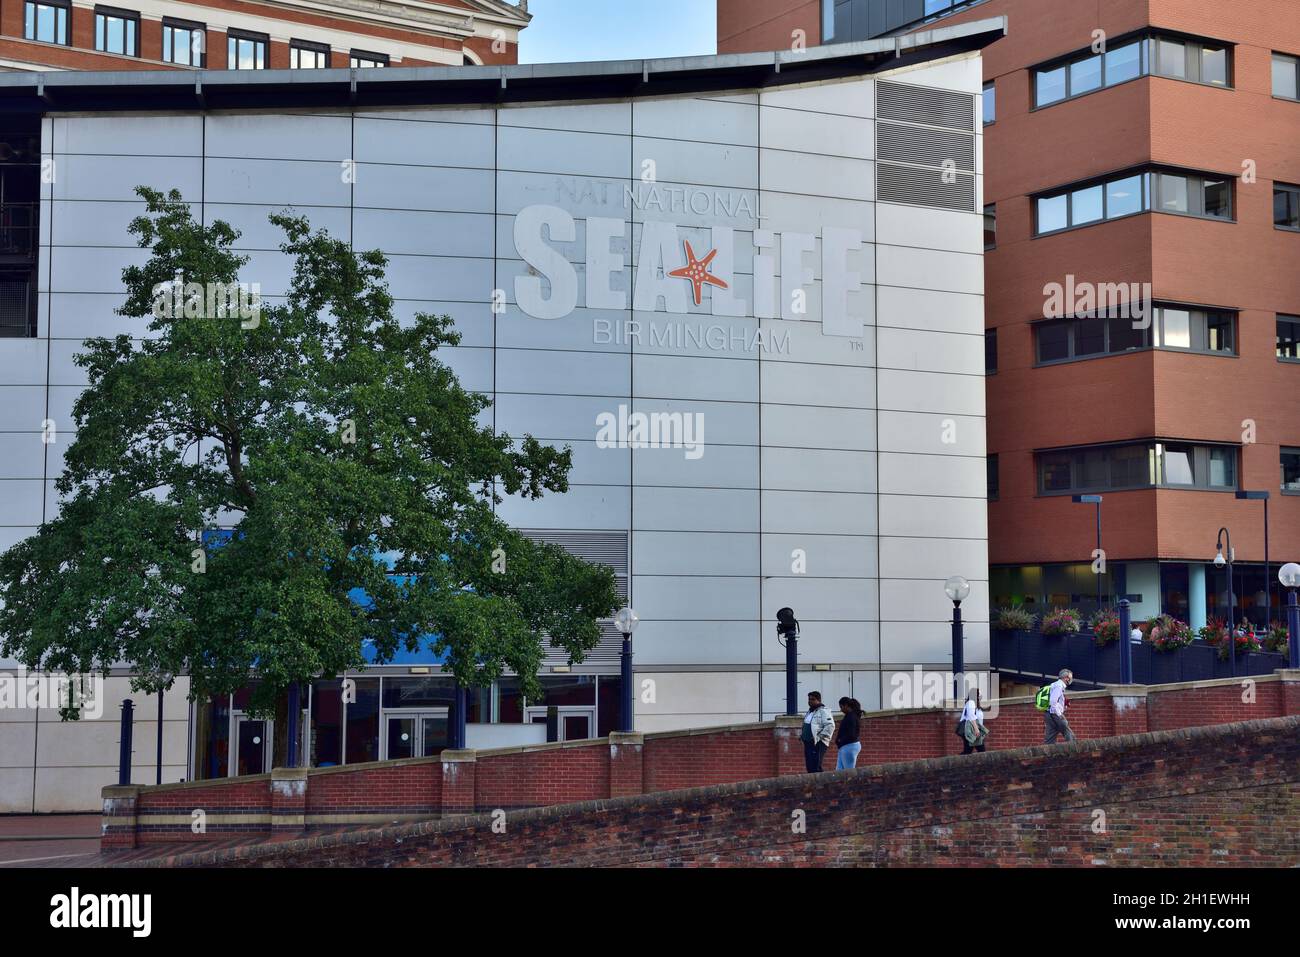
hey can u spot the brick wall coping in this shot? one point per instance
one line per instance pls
(673, 799)
(1122, 691)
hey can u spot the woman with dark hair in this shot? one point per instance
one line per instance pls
(846, 736)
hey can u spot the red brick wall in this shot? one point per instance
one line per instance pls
(1124, 801)
(551, 775)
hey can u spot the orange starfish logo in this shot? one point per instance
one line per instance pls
(697, 271)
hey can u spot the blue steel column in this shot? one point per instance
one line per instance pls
(625, 669)
(1293, 627)
(124, 743)
(1125, 643)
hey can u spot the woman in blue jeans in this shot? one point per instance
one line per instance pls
(846, 735)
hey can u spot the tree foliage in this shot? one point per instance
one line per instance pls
(346, 462)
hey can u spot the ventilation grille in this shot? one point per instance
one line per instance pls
(917, 186)
(15, 312)
(600, 548)
(924, 147)
(919, 104)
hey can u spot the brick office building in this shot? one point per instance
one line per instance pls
(1184, 108)
(235, 34)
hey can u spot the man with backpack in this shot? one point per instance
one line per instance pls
(1051, 699)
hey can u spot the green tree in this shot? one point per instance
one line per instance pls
(346, 461)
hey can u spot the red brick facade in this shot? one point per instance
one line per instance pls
(445, 33)
(629, 764)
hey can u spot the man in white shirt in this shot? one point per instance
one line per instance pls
(1054, 720)
(1135, 635)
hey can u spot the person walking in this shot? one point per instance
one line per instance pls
(846, 735)
(1054, 720)
(818, 727)
(974, 734)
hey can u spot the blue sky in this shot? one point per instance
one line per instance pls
(569, 30)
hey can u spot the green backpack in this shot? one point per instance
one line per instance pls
(1043, 700)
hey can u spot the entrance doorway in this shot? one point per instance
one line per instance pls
(575, 723)
(252, 751)
(414, 734)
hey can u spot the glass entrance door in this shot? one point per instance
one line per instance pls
(414, 734)
(252, 751)
(575, 723)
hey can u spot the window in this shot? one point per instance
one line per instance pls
(990, 351)
(1164, 192)
(46, 20)
(1286, 76)
(1291, 471)
(360, 58)
(992, 468)
(1169, 327)
(828, 21)
(1181, 59)
(991, 226)
(990, 104)
(308, 56)
(1137, 465)
(184, 43)
(246, 51)
(1288, 338)
(117, 31)
(1286, 206)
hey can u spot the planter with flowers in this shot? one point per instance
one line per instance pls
(1167, 633)
(1276, 639)
(1105, 627)
(1215, 634)
(1060, 622)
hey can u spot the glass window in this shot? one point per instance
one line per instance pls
(1053, 341)
(1214, 65)
(990, 104)
(1285, 75)
(1218, 331)
(990, 351)
(1052, 213)
(937, 6)
(1130, 466)
(1176, 464)
(1218, 199)
(46, 20)
(1288, 338)
(990, 226)
(1054, 472)
(510, 701)
(1123, 63)
(828, 21)
(308, 56)
(609, 703)
(1286, 206)
(1124, 196)
(1086, 205)
(362, 59)
(116, 31)
(1085, 75)
(183, 43)
(363, 722)
(1172, 191)
(326, 723)
(245, 52)
(1126, 335)
(1223, 467)
(1089, 337)
(1171, 58)
(1049, 86)
(1291, 470)
(1175, 329)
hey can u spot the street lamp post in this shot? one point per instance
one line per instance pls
(1094, 500)
(1225, 538)
(957, 588)
(1289, 576)
(787, 633)
(1268, 578)
(626, 621)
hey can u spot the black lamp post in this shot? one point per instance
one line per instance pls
(1225, 538)
(787, 633)
(1289, 576)
(1268, 578)
(1094, 500)
(626, 621)
(957, 588)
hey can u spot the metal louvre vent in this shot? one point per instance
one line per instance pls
(15, 307)
(602, 548)
(924, 187)
(919, 104)
(924, 147)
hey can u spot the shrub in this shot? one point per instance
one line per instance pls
(1062, 621)
(1215, 634)
(1167, 633)
(1275, 639)
(1105, 626)
(1014, 618)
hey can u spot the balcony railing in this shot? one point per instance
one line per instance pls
(1034, 655)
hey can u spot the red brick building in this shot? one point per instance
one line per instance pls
(247, 34)
(1127, 142)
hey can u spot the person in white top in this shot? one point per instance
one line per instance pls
(973, 731)
(1054, 720)
(1135, 635)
